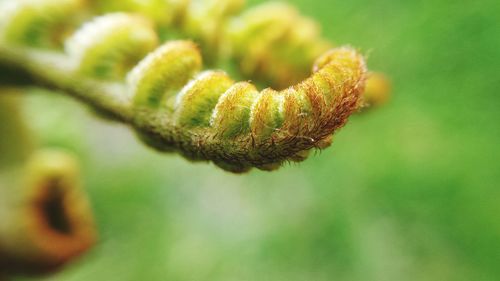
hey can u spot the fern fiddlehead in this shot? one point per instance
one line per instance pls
(203, 115)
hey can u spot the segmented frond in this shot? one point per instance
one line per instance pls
(203, 115)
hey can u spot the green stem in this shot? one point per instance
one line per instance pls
(15, 140)
(53, 70)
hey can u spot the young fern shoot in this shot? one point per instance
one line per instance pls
(176, 106)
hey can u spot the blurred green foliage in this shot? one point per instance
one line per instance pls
(407, 192)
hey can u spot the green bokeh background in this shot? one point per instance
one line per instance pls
(407, 192)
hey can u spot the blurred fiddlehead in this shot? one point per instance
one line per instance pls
(45, 219)
(204, 116)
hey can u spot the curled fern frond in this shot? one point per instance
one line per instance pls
(45, 221)
(234, 123)
(202, 115)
